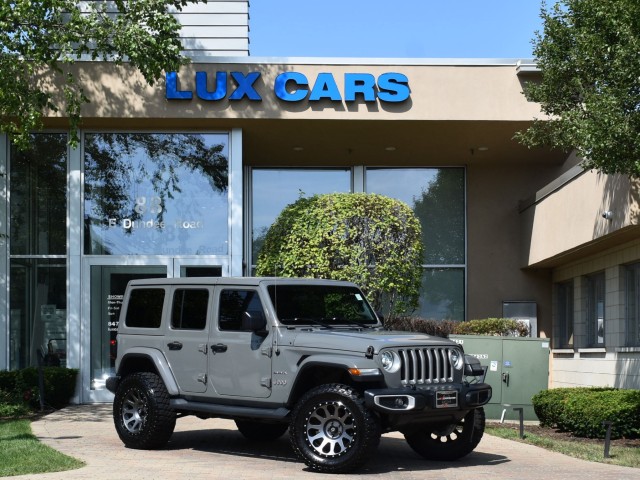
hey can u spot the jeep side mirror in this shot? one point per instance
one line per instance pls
(254, 321)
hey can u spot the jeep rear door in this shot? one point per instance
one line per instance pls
(239, 359)
(185, 345)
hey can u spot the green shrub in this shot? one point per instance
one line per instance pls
(372, 240)
(21, 386)
(584, 413)
(549, 405)
(505, 327)
(582, 410)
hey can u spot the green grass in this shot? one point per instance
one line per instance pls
(593, 452)
(22, 453)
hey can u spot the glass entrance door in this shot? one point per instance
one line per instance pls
(108, 278)
(107, 283)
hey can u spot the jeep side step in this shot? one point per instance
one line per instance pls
(230, 410)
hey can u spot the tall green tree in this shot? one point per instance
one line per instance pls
(588, 54)
(40, 39)
(369, 239)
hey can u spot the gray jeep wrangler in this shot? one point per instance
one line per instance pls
(307, 356)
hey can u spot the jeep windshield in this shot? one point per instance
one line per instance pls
(324, 305)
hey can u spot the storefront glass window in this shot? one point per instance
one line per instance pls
(274, 189)
(38, 197)
(38, 247)
(38, 315)
(442, 296)
(163, 194)
(437, 196)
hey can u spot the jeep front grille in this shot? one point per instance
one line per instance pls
(424, 366)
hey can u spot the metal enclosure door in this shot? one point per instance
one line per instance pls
(517, 369)
(525, 369)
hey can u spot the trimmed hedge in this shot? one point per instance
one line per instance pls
(437, 328)
(21, 386)
(582, 410)
(499, 327)
(443, 328)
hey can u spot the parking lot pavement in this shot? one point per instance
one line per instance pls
(213, 449)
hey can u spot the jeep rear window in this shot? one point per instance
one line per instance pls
(144, 309)
(320, 304)
(189, 310)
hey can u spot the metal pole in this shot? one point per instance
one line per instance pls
(520, 411)
(607, 438)
(41, 379)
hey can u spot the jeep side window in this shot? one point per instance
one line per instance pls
(144, 309)
(233, 304)
(189, 311)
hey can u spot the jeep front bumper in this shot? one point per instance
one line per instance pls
(434, 397)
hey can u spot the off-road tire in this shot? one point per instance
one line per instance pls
(451, 442)
(261, 431)
(332, 431)
(141, 412)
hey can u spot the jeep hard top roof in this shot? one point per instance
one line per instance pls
(237, 281)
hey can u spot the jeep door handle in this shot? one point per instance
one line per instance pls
(174, 346)
(218, 348)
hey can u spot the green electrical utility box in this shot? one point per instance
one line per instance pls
(517, 369)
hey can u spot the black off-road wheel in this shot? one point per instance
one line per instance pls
(449, 442)
(261, 431)
(141, 412)
(332, 431)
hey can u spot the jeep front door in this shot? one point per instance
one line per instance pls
(239, 359)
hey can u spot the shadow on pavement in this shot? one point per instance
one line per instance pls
(393, 454)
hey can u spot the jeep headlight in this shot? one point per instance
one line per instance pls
(457, 359)
(390, 361)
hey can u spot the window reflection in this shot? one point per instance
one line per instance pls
(156, 194)
(38, 320)
(442, 296)
(436, 195)
(274, 189)
(39, 197)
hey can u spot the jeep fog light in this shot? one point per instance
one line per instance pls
(390, 361)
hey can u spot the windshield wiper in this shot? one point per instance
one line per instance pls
(351, 321)
(306, 321)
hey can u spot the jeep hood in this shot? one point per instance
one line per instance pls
(358, 341)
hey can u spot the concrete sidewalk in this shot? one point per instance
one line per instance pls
(213, 449)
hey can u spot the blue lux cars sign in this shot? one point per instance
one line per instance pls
(388, 87)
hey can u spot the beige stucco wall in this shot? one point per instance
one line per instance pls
(571, 218)
(494, 243)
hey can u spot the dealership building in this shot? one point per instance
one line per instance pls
(183, 178)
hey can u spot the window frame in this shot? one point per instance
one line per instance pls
(595, 290)
(632, 310)
(565, 314)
